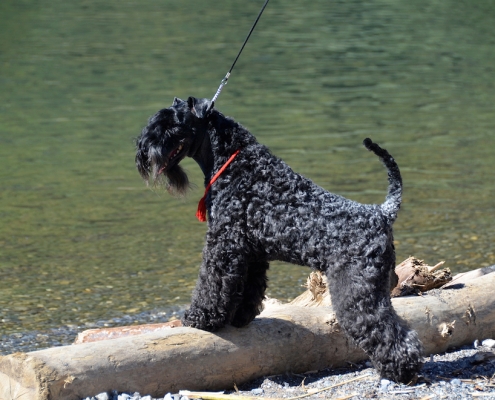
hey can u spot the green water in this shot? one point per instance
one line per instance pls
(83, 239)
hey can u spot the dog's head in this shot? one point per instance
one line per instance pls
(172, 134)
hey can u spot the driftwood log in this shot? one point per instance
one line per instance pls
(284, 338)
(414, 276)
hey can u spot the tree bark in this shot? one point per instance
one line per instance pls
(284, 338)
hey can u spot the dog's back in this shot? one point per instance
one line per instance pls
(293, 219)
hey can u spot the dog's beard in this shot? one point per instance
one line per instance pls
(152, 166)
(175, 180)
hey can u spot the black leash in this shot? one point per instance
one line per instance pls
(224, 80)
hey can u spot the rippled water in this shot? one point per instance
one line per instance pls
(82, 238)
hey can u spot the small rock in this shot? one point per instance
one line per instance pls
(476, 343)
(102, 396)
(168, 396)
(488, 343)
(368, 364)
(455, 382)
(257, 391)
(384, 384)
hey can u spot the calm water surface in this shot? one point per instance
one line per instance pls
(83, 239)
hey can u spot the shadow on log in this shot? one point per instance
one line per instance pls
(284, 338)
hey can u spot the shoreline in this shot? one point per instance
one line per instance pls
(66, 334)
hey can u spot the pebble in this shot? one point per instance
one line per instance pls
(456, 382)
(384, 384)
(490, 343)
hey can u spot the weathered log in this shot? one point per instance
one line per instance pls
(416, 276)
(461, 279)
(181, 358)
(285, 338)
(316, 294)
(95, 335)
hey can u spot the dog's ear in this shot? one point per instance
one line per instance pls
(200, 107)
(177, 101)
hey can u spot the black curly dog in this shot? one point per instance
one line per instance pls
(260, 210)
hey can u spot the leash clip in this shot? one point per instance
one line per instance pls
(222, 84)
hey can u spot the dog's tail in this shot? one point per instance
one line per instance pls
(393, 200)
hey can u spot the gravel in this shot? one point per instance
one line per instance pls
(466, 373)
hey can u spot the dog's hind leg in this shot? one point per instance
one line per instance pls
(361, 300)
(253, 295)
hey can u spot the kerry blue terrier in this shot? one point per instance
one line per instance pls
(260, 210)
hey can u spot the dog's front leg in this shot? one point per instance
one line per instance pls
(219, 288)
(253, 294)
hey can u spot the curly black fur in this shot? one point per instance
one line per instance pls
(260, 210)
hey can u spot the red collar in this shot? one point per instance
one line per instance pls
(201, 213)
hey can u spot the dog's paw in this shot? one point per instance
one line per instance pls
(402, 362)
(198, 319)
